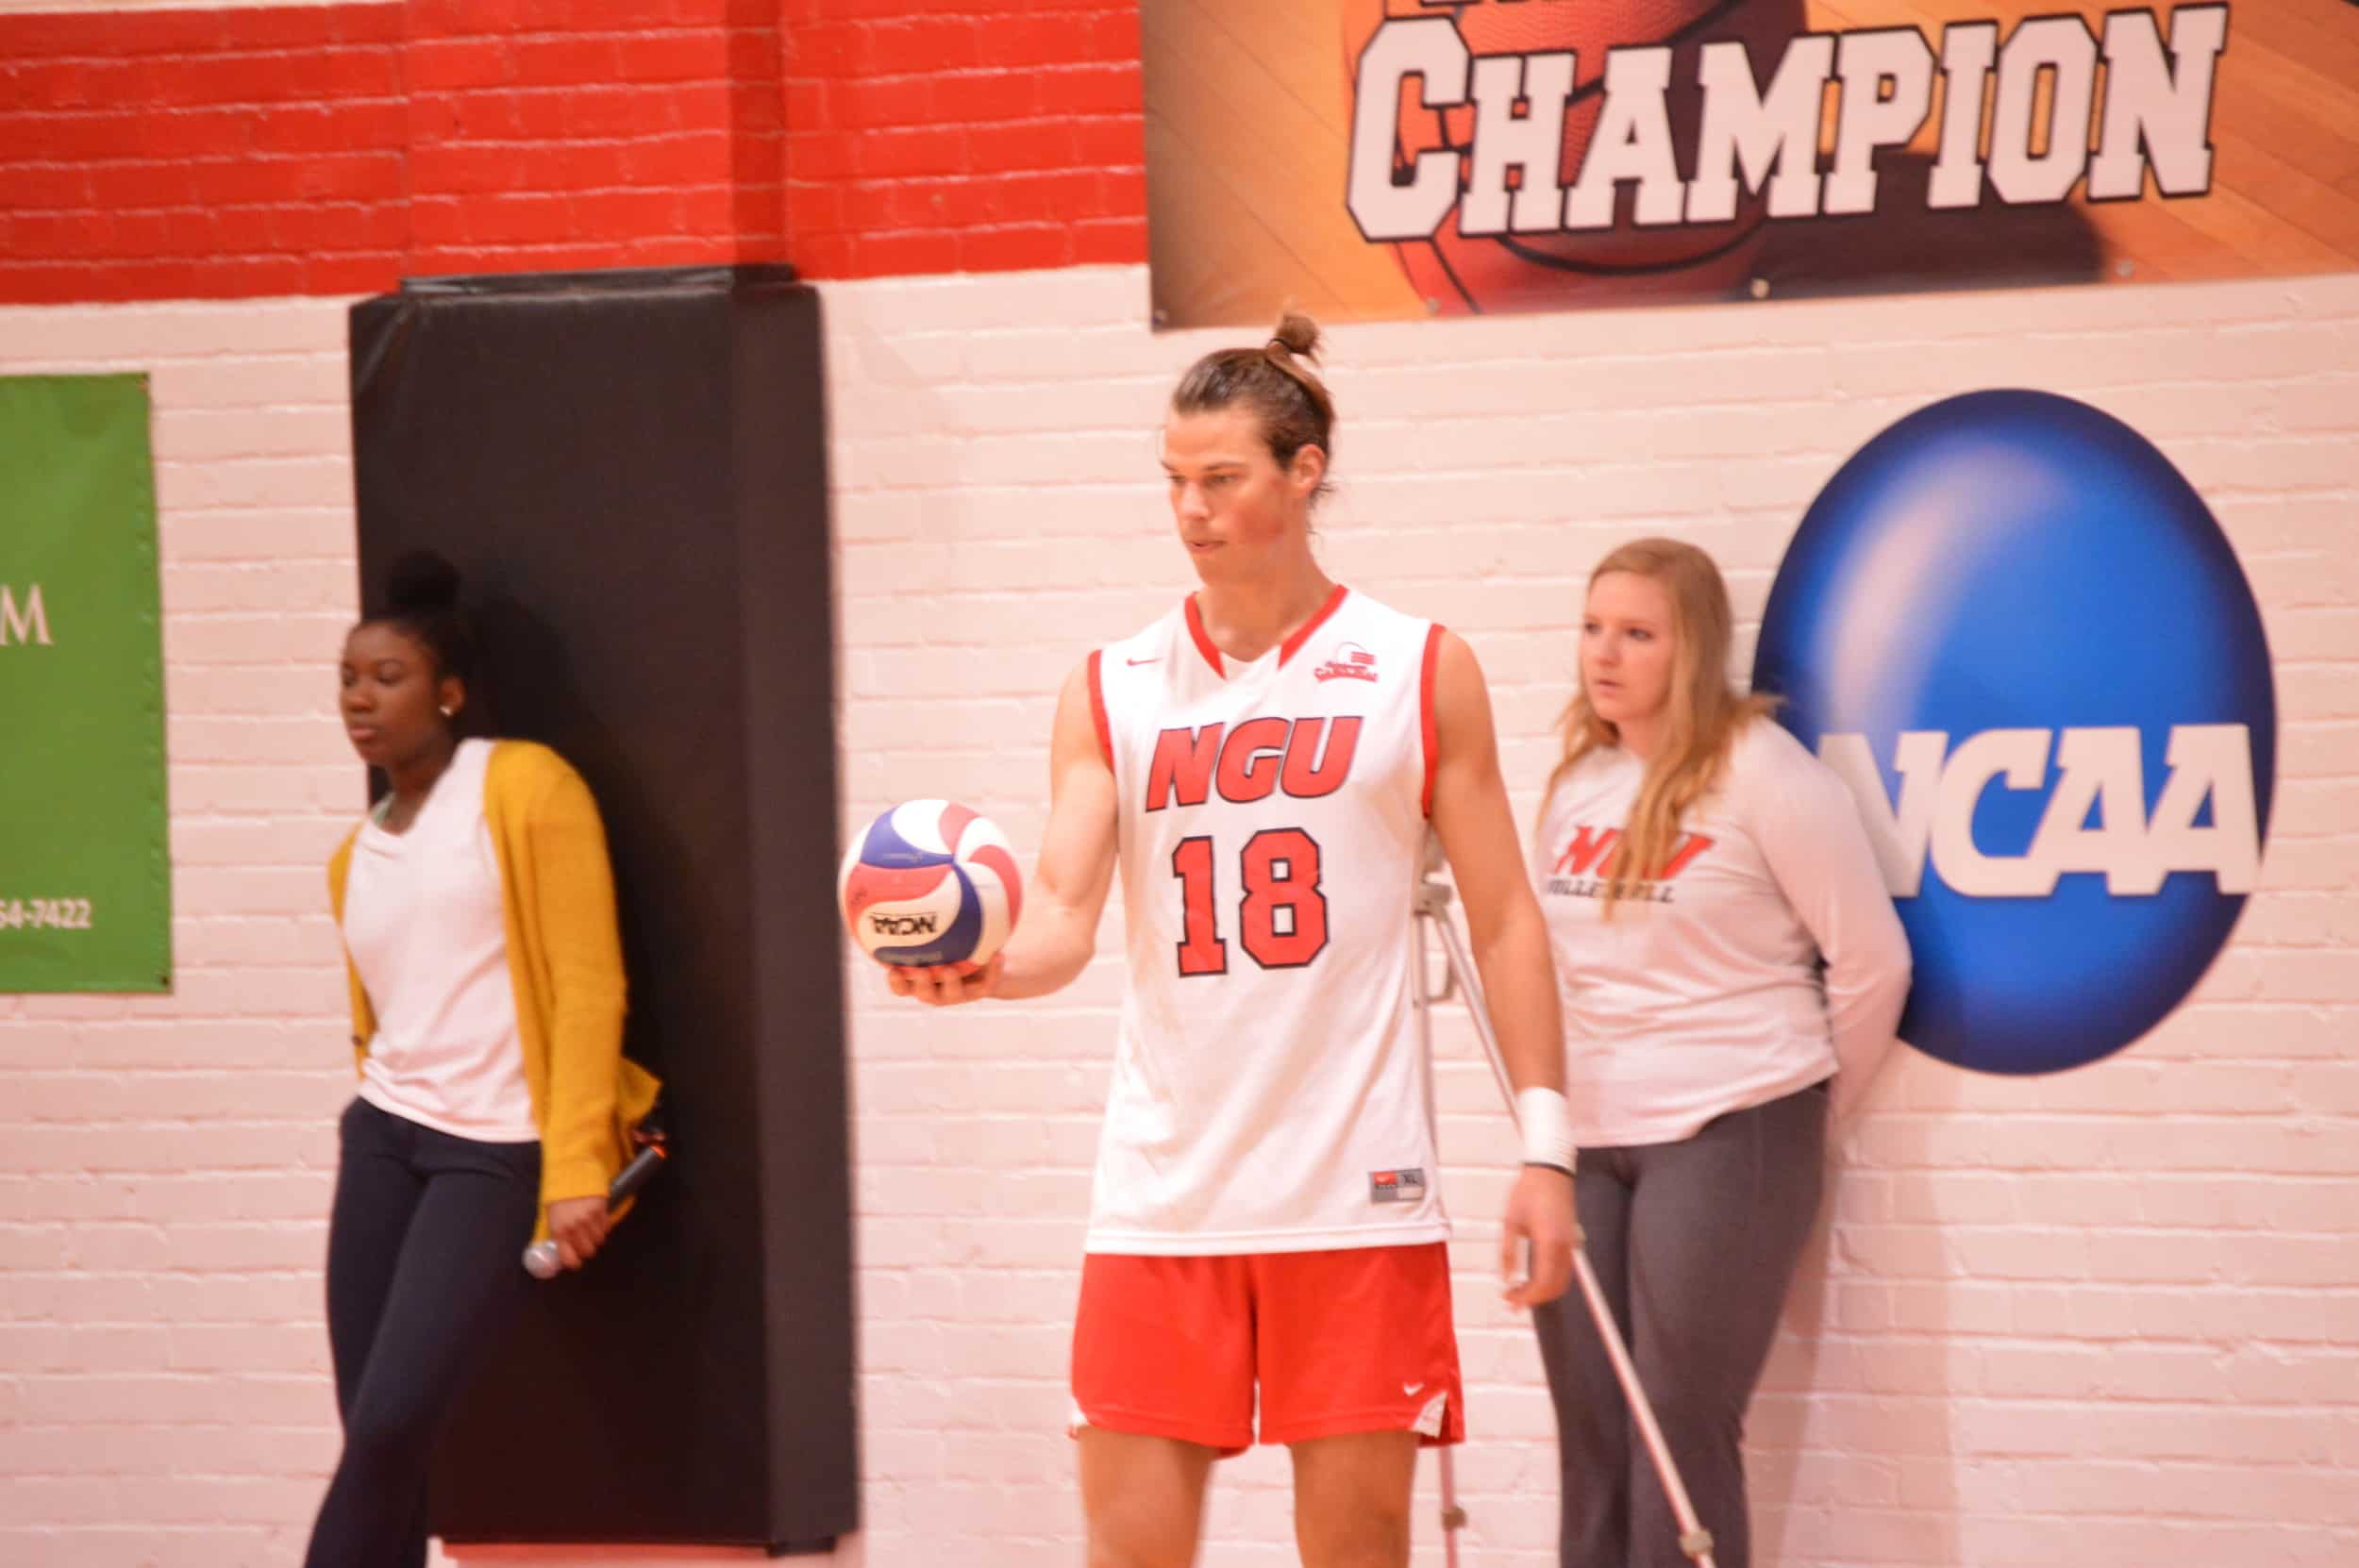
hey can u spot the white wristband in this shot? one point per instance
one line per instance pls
(1548, 1124)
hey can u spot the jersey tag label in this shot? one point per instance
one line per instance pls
(1395, 1186)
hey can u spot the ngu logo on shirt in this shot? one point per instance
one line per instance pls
(2020, 637)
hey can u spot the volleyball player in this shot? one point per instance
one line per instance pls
(1262, 764)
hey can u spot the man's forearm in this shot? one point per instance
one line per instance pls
(1520, 984)
(1053, 946)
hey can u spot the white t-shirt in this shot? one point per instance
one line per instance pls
(1270, 1091)
(425, 927)
(1733, 979)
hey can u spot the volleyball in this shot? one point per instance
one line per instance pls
(930, 882)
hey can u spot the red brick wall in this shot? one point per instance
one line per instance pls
(196, 154)
(967, 136)
(592, 133)
(336, 149)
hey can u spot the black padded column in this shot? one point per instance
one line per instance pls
(630, 470)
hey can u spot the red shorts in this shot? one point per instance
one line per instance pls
(1356, 1341)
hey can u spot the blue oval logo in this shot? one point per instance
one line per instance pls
(2023, 641)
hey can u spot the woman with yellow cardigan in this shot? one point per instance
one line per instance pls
(477, 913)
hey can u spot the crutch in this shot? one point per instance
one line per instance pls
(1433, 912)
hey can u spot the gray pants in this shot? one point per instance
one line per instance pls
(1694, 1243)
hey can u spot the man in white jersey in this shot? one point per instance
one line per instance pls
(1263, 763)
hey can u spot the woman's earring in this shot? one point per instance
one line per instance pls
(448, 710)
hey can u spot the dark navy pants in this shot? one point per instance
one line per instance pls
(423, 1276)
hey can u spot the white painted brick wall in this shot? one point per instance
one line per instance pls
(2109, 1318)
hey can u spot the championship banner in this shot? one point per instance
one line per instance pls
(1375, 158)
(85, 868)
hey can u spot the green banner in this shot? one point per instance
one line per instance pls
(85, 866)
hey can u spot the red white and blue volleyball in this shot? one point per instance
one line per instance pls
(930, 882)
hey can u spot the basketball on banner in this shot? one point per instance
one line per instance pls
(2020, 637)
(1500, 249)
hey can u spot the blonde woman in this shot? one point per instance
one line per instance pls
(1731, 973)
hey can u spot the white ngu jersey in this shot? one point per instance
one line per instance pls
(1270, 1091)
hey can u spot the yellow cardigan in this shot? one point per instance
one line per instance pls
(564, 961)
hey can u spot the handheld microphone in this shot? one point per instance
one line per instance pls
(543, 1259)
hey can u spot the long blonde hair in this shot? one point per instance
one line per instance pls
(1702, 716)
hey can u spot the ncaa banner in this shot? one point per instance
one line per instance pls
(85, 869)
(1403, 158)
(2025, 644)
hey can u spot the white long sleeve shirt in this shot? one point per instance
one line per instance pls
(1765, 957)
